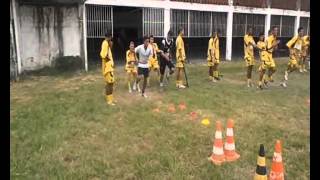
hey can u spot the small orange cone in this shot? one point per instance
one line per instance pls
(217, 156)
(193, 115)
(229, 145)
(171, 108)
(277, 169)
(182, 106)
(156, 110)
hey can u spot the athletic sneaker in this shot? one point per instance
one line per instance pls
(138, 87)
(134, 86)
(300, 70)
(214, 80)
(161, 84)
(111, 103)
(304, 70)
(130, 91)
(286, 75)
(181, 86)
(144, 95)
(283, 84)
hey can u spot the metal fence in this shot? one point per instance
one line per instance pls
(285, 25)
(179, 18)
(99, 20)
(153, 21)
(198, 23)
(241, 22)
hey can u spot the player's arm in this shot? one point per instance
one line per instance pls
(104, 50)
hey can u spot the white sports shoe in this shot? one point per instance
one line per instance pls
(144, 95)
(286, 75)
(283, 84)
(134, 86)
(181, 86)
(161, 84)
(130, 91)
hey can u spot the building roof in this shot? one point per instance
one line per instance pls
(51, 2)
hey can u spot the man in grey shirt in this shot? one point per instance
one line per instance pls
(144, 52)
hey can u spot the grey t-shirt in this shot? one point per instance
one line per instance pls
(144, 55)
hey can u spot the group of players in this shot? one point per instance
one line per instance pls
(298, 51)
(142, 59)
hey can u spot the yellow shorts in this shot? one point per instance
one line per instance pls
(249, 61)
(131, 69)
(267, 62)
(109, 77)
(210, 62)
(153, 64)
(180, 64)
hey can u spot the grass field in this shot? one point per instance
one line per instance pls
(61, 127)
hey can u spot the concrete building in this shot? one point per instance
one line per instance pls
(42, 31)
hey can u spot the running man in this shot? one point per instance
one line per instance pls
(272, 44)
(166, 57)
(249, 44)
(145, 52)
(265, 63)
(153, 61)
(131, 69)
(181, 58)
(107, 68)
(295, 48)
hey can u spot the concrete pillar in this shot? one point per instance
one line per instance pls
(166, 21)
(229, 35)
(267, 24)
(85, 38)
(296, 24)
(17, 34)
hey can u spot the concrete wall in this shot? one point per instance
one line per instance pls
(48, 32)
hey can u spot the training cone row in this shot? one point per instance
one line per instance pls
(227, 152)
(277, 169)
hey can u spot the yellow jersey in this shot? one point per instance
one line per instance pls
(155, 50)
(262, 50)
(296, 42)
(248, 48)
(216, 47)
(270, 41)
(210, 49)
(106, 56)
(180, 47)
(131, 56)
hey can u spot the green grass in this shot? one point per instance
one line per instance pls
(61, 127)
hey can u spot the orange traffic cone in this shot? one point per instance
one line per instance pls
(171, 108)
(217, 156)
(277, 169)
(261, 170)
(229, 145)
(182, 106)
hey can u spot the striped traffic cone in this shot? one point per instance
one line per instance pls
(277, 169)
(261, 170)
(229, 145)
(217, 157)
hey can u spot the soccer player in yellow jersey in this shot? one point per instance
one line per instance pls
(107, 67)
(180, 57)
(305, 52)
(131, 68)
(272, 44)
(216, 57)
(249, 44)
(295, 48)
(265, 63)
(210, 56)
(153, 61)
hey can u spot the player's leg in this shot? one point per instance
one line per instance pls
(215, 72)
(262, 70)
(249, 75)
(162, 70)
(145, 77)
(129, 79)
(139, 77)
(109, 88)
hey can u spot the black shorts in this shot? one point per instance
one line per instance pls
(143, 71)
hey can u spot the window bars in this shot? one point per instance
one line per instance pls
(153, 22)
(241, 22)
(99, 20)
(285, 25)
